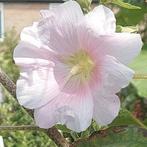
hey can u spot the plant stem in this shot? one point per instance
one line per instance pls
(140, 77)
(53, 132)
(7, 83)
(22, 128)
(11, 87)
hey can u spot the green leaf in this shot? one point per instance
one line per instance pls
(126, 118)
(118, 137)
(63, 128)
(118, 28)
(120, 3)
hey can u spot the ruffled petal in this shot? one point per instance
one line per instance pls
(36, 87)
(101, 20)
(59, 30)
(30, 35)
(30, 48)
(75, 111)
(25, 54)
(123, 46)
(46, 13)
(114, 75)
(106, 107)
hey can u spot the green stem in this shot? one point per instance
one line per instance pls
(140, 77)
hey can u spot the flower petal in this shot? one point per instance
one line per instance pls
(36, 87)
(46, 13)
(59, 30)
(30, 35)
(106, 108)
(75, 111)
(114, 75)
(101, 20)
(123, 46)
(68, 82)
(27, 54)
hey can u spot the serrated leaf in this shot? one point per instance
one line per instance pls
(118, 137)
(126, 118)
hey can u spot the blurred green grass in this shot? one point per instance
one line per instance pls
(139, 65)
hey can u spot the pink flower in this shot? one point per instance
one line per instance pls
(73, 65)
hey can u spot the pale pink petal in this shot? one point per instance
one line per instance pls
(70, 10)
(101, 20)
(123, 46)
(30, 35)
(114, 75)
(27, 53)
(90, 41)
(36, 87)
(59, 30)
(75, 111)
(46, 13)
(106, 107)
(30, 47)
(68, 82)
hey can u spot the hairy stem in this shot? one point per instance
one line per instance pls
(53, 132)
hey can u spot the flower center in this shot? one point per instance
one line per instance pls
(81, 65)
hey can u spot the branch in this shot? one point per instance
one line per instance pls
(22, 128)
(53, 132)
(7, 83)
(11, 87)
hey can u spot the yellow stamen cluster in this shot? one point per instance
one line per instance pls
(81, 64)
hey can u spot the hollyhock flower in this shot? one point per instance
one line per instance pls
(72, 66)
